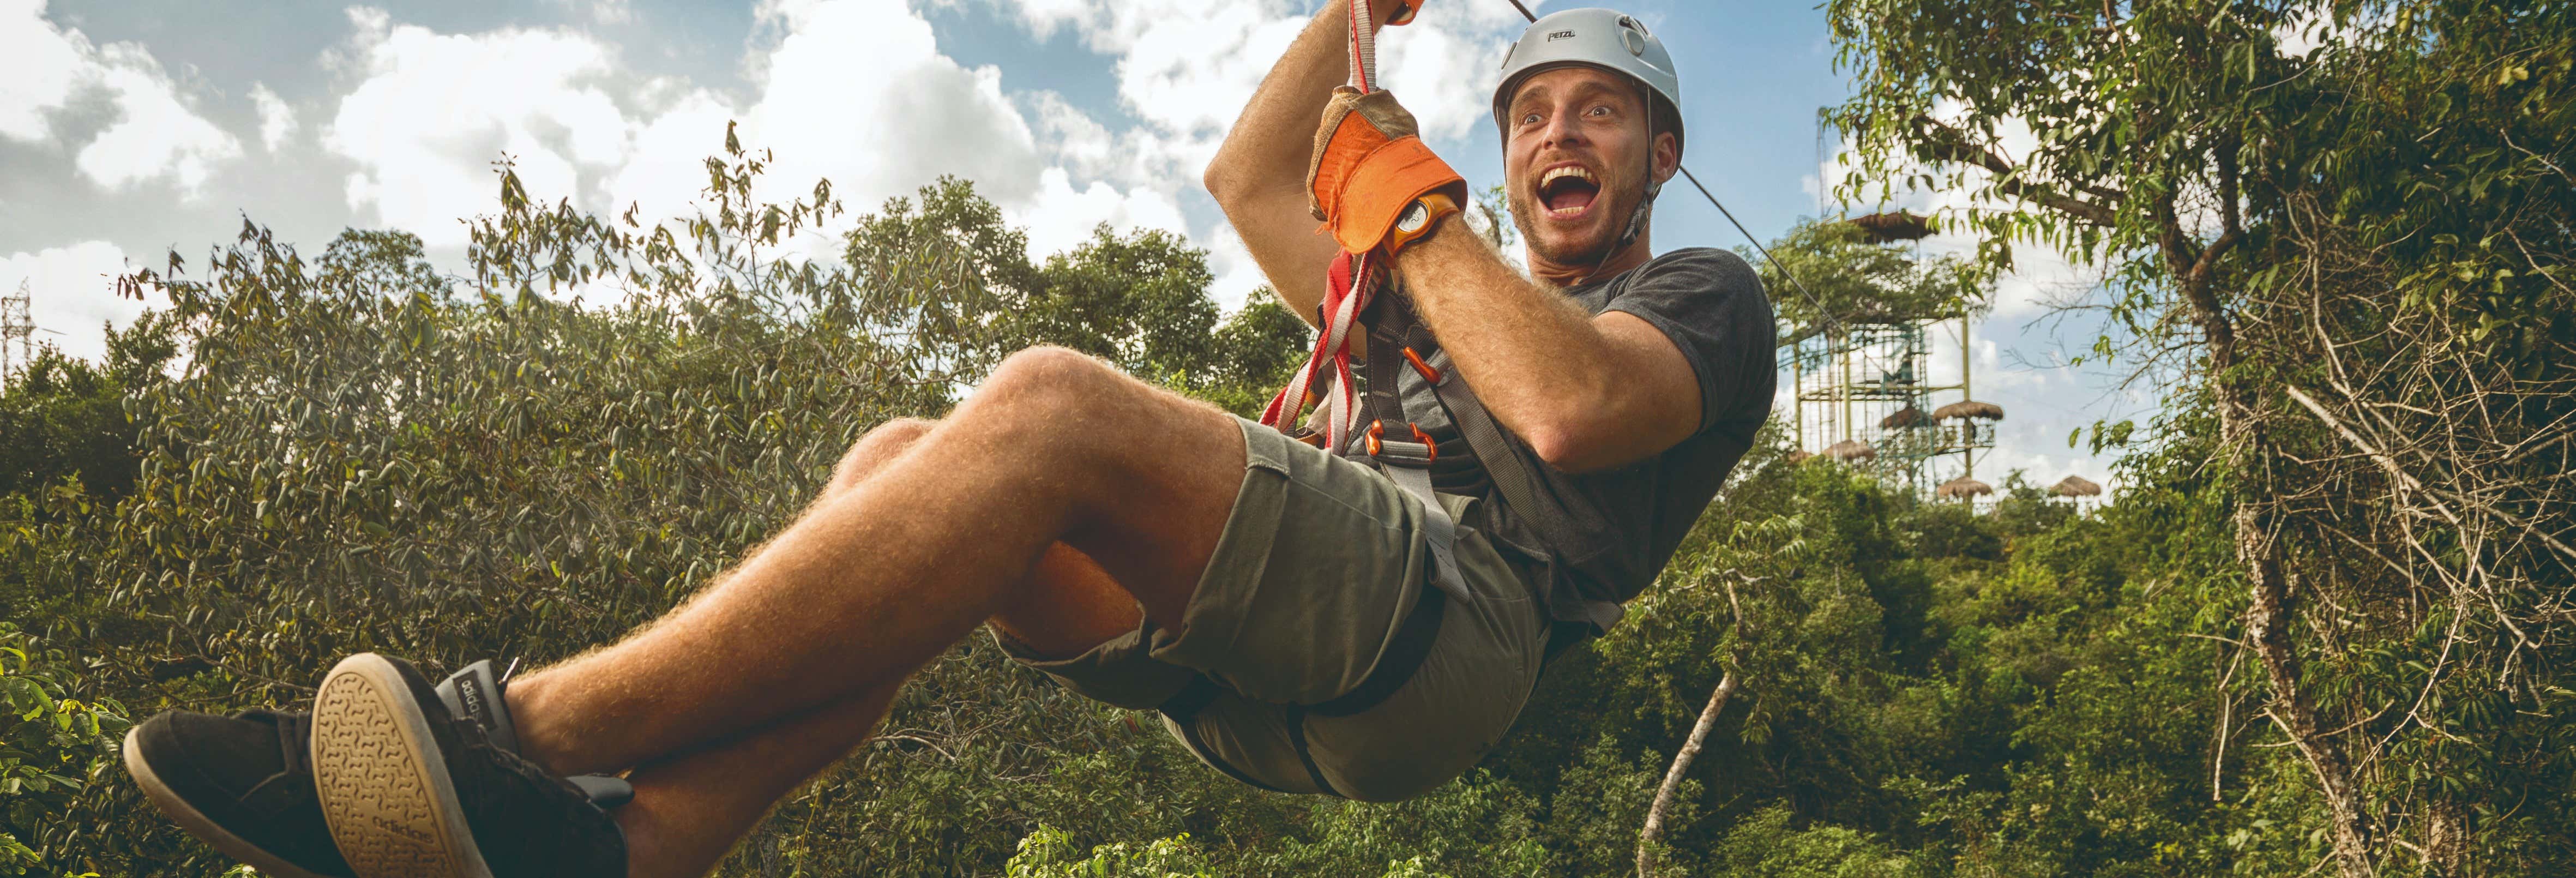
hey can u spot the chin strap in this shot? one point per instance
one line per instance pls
(1637, 218)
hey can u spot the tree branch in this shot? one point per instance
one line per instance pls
(1673, 778)
(1945, 143)
(1726, 685)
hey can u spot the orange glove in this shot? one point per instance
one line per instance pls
(1403, 14)
(1373, 182)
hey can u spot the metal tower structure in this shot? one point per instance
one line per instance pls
(1862, 387)
(1864, 394)
(17, 332)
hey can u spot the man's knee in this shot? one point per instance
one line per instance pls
(1047, 374)
(877, 447)
(1042, 381)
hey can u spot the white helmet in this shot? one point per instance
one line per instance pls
(1601, 38)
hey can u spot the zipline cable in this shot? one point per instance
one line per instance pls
(1821, 312)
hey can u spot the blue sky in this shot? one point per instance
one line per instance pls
(129, 127)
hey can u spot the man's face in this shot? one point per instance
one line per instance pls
(1577, 160)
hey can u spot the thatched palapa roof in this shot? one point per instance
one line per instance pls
(2076, 486)
(1908, 416)
(1963, 488)
(1969, 408)
(1882, 228)
(1850, 449)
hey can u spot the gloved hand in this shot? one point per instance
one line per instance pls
(1373, 182)
(1403, 12)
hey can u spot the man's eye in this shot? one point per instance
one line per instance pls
(1529, 118)
(1602, 110)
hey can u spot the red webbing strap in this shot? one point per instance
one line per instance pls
(1348, 287)
(1363, 47)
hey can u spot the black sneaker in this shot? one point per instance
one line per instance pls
(411, 790)
(241, 783)
(244, 783)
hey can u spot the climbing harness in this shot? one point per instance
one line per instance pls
(1405, 454)
(1401, 449)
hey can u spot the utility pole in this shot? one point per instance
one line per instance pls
(17, 332)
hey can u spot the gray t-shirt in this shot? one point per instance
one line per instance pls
(1711, 304)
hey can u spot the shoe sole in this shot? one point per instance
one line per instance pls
(382, 781)
(196, 822)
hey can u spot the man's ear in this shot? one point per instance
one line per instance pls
(1668, 156)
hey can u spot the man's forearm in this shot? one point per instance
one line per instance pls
(1535, 357)
(1587, 393)
(1270, 143)
(1259, 175)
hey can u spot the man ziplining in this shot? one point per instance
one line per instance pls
(1355, 606)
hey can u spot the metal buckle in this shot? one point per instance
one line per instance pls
(1377, 444)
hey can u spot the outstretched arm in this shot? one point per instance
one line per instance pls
(1587, 393)
(1259, 176)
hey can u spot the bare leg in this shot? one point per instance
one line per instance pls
(874, 582)
(690, 810)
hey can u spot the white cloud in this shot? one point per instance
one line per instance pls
(605, 11)
(1061, 217)
(74, 293)
(156, 135)
(858, 91)
(40, 65)
(1185, 71)
(436, 109)
(854, 91)
(276, 118)
(1237, 276)
(665, 166)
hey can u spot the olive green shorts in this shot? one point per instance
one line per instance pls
(1321, 561)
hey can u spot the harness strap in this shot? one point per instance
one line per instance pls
(1402, 659)
(1363, 47)
(1297, 738)
(1391, 325)
(1560, 530)
(1408, 465)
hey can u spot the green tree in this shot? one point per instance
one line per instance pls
(1842, 276)
(2364, 243)
(62, 417)
(56, 742)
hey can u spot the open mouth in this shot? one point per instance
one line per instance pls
(1568, 191)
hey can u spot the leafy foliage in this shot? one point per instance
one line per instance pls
(66, 418)
(1843, 277)
(2350, 218)
(561, 442)
(54, 746)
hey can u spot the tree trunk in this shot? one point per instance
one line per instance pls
(1673, 777)
(2272, 608)
(2267, 626)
